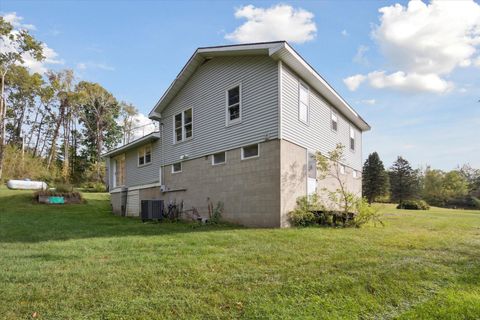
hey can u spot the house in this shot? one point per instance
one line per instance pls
(239, 124)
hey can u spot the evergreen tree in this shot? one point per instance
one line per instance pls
(374, 178)
(404, 181)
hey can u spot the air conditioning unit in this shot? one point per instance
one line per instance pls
(151, 210)
(163, 188)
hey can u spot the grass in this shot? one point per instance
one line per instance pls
(80, 262)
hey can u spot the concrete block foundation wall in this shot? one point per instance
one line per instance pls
(257, 192)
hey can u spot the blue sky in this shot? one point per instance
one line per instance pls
(420, 98)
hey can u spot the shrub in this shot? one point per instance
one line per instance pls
(95, 187)
(63, 188)
(74, 195)
(303, 214)
(366, 213)
(413, 205)
(216, 214)
(476, 202)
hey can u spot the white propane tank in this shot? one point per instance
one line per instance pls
(26, 185)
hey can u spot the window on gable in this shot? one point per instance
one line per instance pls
(352, 139)
(219, 158)
(234, 105)
(177, 167)
(183, 125)
(334, 122)
(251, 151)
(144, 155)
(303, 103)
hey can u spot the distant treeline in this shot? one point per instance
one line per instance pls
(53, 127)
(459, 188)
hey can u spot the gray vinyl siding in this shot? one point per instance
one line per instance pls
(135, 175)
(205, 93)
(317, 135)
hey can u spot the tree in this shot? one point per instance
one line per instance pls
(98, 110)
(472, 176)
(374, 178)
(404, 181)
(329, 166)
(129, 121)
(15, 44)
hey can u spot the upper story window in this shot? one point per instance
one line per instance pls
(219, 158)
(234, 105)
(182, 123)
(144, 155)
(251, 151)
(303, 102)
(334, 121)
(352, 139)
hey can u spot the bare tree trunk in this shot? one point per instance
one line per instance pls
(3, 109)
(38, 136)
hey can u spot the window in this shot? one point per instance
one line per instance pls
(251, 151)
(334, 122)
(354, 174)
(177, 167)
(119, 171)
(303, 102)
(234, 105)
(342, 169)
(352, 139)
(182, 123)
(144, 155)
(219, 158)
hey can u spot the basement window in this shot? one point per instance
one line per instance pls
(251, 151)
(177, 167)
(219, 158)
(144, 155)
(234, 105)
(334, 122)
(352, 139)
(182, 124)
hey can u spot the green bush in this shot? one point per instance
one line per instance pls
(63, 188)
(413, 205)
(95, 187)
(476, 202)
(366, 213)
(302, 215)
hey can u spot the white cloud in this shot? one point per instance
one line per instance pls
(411, 82)
(143, 126)
(6, 45)
(344, 33)
(279, 22)
(16, 21)
(94, 65)
(423, 43)
(360, 55)
(369, 101)
(477, 62)
(353, 82)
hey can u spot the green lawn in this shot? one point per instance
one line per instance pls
(80, 262)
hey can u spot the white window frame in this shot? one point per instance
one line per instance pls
(115, 168)
(354, 174)
(142, 151)
(184, 132)
(252, 157)
(220, 163)
(300, 84)
(333, 114)
(229, 122)
(352, 135)
(173, 167)
(343, 169)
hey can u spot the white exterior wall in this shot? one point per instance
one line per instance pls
(317, 135)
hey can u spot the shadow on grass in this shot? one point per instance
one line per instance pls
(23, 220)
